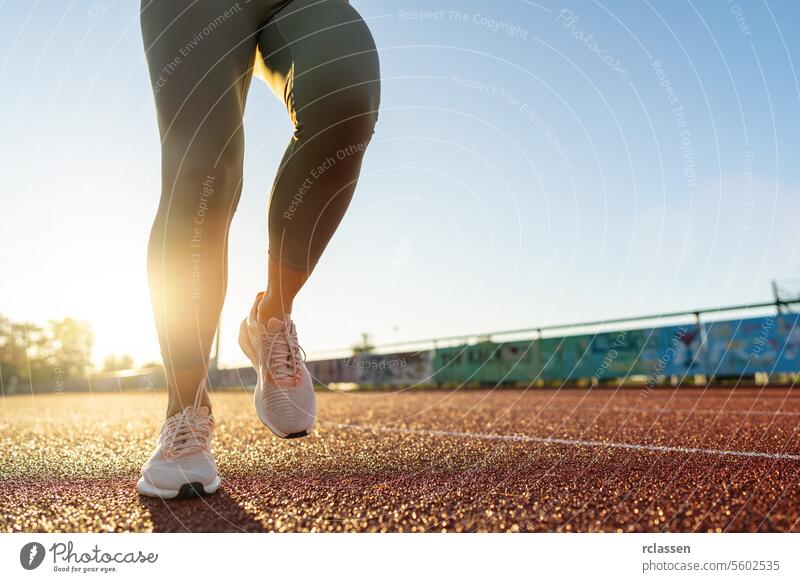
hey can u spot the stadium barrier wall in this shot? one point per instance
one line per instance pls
(731, 348)
(722, 349)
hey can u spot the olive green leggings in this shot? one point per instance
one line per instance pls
(319, 57)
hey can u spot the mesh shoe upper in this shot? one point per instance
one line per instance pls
(285, 399)
(183, 449)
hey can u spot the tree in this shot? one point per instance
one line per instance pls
(44, 356)
(115, 363)
(23, 351)
(72, 346)
(365, 347)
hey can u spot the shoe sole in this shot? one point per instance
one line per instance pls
(244, 343)
(186, 491)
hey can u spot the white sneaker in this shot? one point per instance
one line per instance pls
(284, 397)
(181, 465)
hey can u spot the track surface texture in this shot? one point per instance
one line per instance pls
(684, 459)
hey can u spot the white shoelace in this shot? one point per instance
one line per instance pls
(188, 432)
(284, 355)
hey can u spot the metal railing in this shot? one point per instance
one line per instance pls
(537, 331)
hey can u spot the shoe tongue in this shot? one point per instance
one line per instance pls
(274, 325)
(199, 411)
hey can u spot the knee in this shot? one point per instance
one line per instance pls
(346, 115)
(199, 192)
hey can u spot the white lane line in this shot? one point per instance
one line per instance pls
(576, 442)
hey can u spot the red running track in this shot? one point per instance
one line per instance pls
(472, 460)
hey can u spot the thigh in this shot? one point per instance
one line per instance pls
(199, 55)
(320, 56)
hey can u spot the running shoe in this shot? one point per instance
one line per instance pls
(284, 396)
(181, 466)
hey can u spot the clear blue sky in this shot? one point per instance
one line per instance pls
(533, 163)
